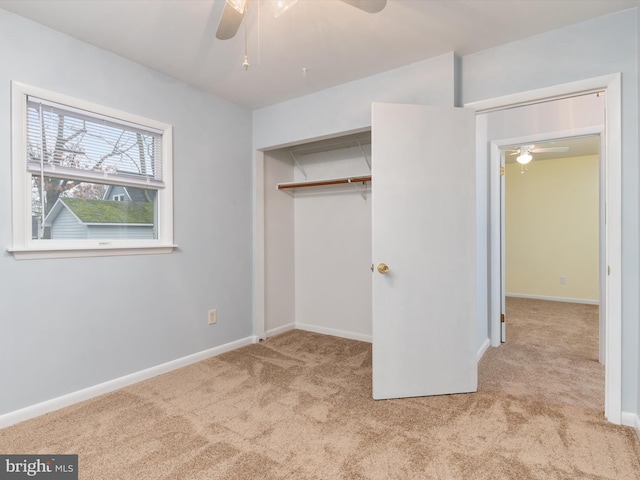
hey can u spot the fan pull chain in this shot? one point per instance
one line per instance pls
(245, 64)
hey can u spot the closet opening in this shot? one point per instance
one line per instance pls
(317, 237)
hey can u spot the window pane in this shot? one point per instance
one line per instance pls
(63, 208)
(59, 138)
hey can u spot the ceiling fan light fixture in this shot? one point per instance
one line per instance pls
(524, 158)
(281, 6)
(238, 5)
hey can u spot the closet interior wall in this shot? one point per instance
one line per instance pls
(318, 241)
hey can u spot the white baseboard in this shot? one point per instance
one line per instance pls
(483, 348)
(47, 406)
(629, 419)
(554, 299)
(279, 330)
(336, 333)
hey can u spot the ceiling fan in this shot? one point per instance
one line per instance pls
(235, 10)
(524, 153)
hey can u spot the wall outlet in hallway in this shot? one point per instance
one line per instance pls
(563, 280)
(213, 317)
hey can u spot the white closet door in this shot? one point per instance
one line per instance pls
(423, 207)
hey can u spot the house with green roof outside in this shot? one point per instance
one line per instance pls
(116, 217)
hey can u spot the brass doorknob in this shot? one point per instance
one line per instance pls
(383, 268)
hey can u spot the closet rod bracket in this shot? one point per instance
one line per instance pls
(295, 160)
(364, 154)
(362, 191)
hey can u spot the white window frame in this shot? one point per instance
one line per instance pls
(24, 247)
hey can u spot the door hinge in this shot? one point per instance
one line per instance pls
(502, 319)
(502, 171)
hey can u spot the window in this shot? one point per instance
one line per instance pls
(88, 180)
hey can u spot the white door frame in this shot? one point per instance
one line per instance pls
(613, 228)
(258, 248)
(497, 210)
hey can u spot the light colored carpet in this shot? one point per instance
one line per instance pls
(298, 406)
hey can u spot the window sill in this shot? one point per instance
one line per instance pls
(98, 251)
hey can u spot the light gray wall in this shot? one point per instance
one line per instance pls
(68, 324)
(598, 47)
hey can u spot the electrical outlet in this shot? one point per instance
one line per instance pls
(213, 317)
(563, 280)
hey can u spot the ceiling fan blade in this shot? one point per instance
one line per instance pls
(369, 6)
(549, 149)
(229, 22)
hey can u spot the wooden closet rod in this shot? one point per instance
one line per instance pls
(326, 182)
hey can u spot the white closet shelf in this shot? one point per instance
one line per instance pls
(329, 181)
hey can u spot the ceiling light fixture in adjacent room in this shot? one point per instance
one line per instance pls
(524, 157)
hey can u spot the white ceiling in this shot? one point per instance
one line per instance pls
(333, 41)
